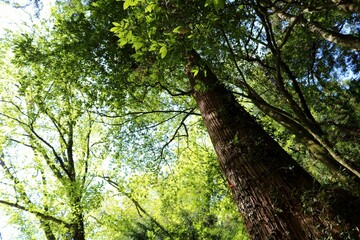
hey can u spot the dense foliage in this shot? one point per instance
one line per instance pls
(100, 134)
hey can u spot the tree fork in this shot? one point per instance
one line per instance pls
(266, 183)
(349, 180)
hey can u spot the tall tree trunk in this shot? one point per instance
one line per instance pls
(47, 230)
(78, 226)
(266, 183)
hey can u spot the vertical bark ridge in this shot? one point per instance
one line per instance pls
(266, 183)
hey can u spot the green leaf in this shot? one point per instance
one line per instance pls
(154, 75)
(208, 2)
(138, 45)
(138, 55)
(126, 4)
(153, 47)
(149, 8)
(95, 4)
(114, 29)
(130, 3)
(129, 36)
(178, 29)
(195, 71)
(122, 42)
(163, 51)
(218, 5)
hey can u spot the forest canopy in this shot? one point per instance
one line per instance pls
(152, 119)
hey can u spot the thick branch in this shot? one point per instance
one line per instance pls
(311, 122)
(316, 148)
(18, 186)
(69, 150)
(348, 5)
(49, 161)
(58, 158)
(344, 40)
(47, 229)
(289, 29)
(57, 125)
(45, 224)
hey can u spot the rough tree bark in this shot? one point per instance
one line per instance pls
(79, 227)
(78, 223)
(47, 230)
(266, 183)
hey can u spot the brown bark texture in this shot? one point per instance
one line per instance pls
(267, 184)
(78, 226)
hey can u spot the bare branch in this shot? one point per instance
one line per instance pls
(20, 142)
(16, 106)
(141, 113)
(289, 30)
(182, 123)
(18, 186)
(15, 119)
(39, 214)
(57, 125)
(58, 158)
(49, 161)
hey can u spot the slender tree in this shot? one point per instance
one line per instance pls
(51, 132)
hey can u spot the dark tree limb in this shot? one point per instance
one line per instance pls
(37, 213)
